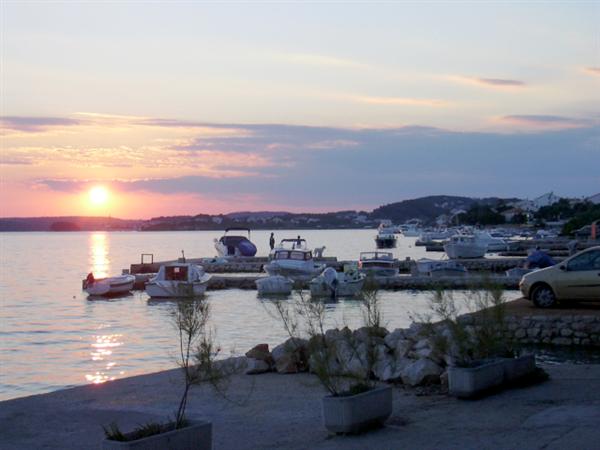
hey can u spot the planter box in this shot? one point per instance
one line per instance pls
(197, 435)
(515, 368)
(465, 382)
(356, 413)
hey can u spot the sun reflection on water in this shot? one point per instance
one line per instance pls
(101, 351)
(99, 261)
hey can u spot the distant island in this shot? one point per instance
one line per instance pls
(437, 210)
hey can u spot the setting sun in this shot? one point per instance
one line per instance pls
(98, 195)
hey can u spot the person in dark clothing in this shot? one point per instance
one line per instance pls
(272, 241)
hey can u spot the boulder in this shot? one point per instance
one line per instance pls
(256, 366)
(402, 348)
(291, 356)
(422, 371)
(261, 352)
(392, 338)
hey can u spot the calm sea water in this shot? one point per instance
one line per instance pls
(53, 336)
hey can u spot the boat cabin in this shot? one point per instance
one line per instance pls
(296, 255)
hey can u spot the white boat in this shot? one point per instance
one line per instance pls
(120, 284)
(411, 228)
(494, 244)
(385, 236)
(292, 258)
(465, 246)
(274, 285)
(380, 264)
(235, 245)
(178, 280)
(439, 268)
(337, 284)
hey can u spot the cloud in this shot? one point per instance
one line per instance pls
(312, 59)
(494, 83)
(545, 121)
(592, 71)
(357, 168)
(35, 124)
(404, 101)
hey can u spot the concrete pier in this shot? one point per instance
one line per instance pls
(400, 282)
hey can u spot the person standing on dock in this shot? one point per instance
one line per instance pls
(272, 241)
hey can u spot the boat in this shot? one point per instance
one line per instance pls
(294, 259)
(385, 236)
(440, 268)
(465, 246)
(178, 280)
(337, 284)
(108, 286)
(274, 285)
(235, 245)
(494, 244)
(380, 264)
(411, 228)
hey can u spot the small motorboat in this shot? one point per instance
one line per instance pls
(379, 264)
(108, 286)
(337, 284)
(274, 285)
(292, 258)
(235, 245)
(178, 280)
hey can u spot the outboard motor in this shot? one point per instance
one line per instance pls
(331, 280)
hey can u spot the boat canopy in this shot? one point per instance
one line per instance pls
(247, 230)
(376, 256)
(298, 243)
(180, 272)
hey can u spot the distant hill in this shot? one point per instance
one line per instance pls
(427, 209)
(72, 223)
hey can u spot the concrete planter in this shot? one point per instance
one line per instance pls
(465, 382)
(356, 413)
(197, 436)
(515, 368)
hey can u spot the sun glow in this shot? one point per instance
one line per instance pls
(98, 195)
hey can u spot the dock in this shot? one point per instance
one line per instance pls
(399, 282)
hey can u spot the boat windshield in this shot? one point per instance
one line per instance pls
(376, 256)
(176, 273)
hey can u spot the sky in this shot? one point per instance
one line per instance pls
(196, 107)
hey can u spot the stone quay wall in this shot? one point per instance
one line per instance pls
(572, 330)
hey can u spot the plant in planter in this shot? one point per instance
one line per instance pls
(480, 353)
(342, 362)
(196, 358)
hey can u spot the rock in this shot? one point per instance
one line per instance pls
(520, 333)
(392, 338)
(422, 371)
(566, 332)
(421, 344)
(291, 356)
(260, 351)
(256, 366)
(444, 378)
(402, 347)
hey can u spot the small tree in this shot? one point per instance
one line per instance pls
(306, 316)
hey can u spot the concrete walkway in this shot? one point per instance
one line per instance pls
(284, 412)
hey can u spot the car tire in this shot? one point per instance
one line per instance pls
(543, 297)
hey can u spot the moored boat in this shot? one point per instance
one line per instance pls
(385, 236)
(337, 284)
(117, 285)
(235, 245)
(274, 285)
(462, 246)
(178, 280)
(380, 264)
(292, 258)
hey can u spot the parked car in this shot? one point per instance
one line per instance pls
(576, 278)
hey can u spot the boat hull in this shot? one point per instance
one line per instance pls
(318, 288)
(385, 242)
(170, 289)
(274, 285)
(111, 286)
(295, 271)
(460, 251)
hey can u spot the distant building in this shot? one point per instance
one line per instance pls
(533, 205)
(217, 220)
